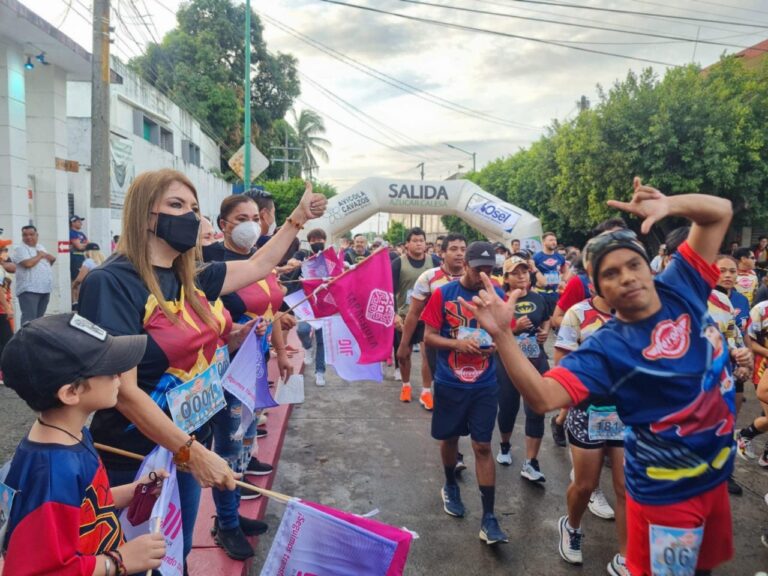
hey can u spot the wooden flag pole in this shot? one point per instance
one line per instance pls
(245, 486)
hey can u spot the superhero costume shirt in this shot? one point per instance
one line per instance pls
(549, 265)
(63, 514)
(757, 329)
(669, 377)
(445, 313)
(430, 280)
(114, 297)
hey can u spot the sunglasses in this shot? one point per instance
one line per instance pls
(600, 243)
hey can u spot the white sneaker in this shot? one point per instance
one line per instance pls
(570, 542)
(398, 377)
(504, 459)
(599, 506)
(320, 379)
(618, 567)
(309, 356)
(744, 447)
(532, 472)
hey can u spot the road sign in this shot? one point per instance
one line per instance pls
(259, 162)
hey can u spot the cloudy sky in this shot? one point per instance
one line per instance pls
(444, 84)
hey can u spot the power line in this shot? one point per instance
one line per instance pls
(560, 23)
(394, 82)
(635, 13)
(497, 33)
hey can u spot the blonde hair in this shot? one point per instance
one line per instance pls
(96, 256)
(140, 200)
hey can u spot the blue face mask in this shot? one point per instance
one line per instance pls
(179, 231)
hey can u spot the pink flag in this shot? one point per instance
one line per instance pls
(343, 352)
(322, 301)
(326, 264)
(365, 302)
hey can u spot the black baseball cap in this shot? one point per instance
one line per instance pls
(53, 351)
(480, 254)
(75, 218)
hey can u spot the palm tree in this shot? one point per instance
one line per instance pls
(308, 125)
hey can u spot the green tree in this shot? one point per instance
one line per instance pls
(395, 232)
(308, 126)
(288, 193)
(200, 65)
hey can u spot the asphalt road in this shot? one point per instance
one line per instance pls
(354, 446)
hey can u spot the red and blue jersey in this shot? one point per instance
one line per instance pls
(63, 514)
(446, 314)
(669, 377)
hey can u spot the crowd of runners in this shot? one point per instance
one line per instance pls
(651, 358)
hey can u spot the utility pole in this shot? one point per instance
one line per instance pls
(247, 168)
(100, 161)
(421, 165)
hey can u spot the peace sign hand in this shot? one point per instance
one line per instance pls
(647, 202)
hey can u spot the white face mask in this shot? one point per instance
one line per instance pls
(500, 260)
(245, 234)
(271, 229)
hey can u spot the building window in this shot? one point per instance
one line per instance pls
(190, 152)
(150, 131)
(166, 140)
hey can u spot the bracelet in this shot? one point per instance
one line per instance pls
(183, 455)
(117, 558)
(293, 222)
(107, 566)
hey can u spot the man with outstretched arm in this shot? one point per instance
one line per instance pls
(664, 364)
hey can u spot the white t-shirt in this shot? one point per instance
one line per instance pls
(39, 278)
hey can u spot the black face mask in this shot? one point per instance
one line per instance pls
(180, 232)
(317, 247)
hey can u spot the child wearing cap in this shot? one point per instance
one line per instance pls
(65, 368)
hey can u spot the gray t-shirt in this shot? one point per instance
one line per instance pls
(39, 278)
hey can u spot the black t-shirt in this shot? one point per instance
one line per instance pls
(217, 252)
(535, 307)
(114, 297)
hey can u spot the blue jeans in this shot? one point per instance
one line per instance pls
(304, 331)
(189, 496)
(237, 453)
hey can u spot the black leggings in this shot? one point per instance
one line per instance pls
(5, 330)
(509, 404)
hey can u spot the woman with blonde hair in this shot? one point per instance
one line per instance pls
(93, 258)
(152, 285)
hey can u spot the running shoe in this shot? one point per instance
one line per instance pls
(405, 394)
(416, 348)
(309, 356)
(256, 468)
(252, 527)
(764, 538)
(319, 379)
(460, 466)
(248, 494)
(558, 432)
(532, 472)
(398, 376)
(744, 447)
(490, 531)
(233, 542)
(262, 419)
(599, 506)
(733, 487)
(618, 567)
(261, 433)
(763, 460)
(426, 400)
(570, 542)
(504, 458)
(452, 503)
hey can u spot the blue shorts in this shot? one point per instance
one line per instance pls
(461, 412)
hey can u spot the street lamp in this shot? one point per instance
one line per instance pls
(473, 154)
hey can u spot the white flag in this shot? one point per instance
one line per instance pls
(343, 352)
(167, 510)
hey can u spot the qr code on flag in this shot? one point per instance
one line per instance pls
(381, 307)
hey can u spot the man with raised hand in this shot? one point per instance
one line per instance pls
(664, 364)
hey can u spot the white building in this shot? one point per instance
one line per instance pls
(45, 138)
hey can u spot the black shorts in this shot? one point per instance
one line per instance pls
(577, 429)
(416, 338)
(460, 412)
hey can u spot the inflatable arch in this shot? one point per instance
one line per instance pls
(496, 219)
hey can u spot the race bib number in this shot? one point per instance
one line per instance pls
(6, 503)
(221, 361)
(675, 551)
(529, 346)
(195, 402)
(604, 424)
(552, 277)
(482, 337)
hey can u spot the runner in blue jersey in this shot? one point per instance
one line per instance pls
(551, 265)
(664, 364)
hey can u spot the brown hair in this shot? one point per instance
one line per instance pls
(145, 191)
(229, 204)
(726, 257)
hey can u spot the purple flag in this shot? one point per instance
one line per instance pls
(246, 380)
